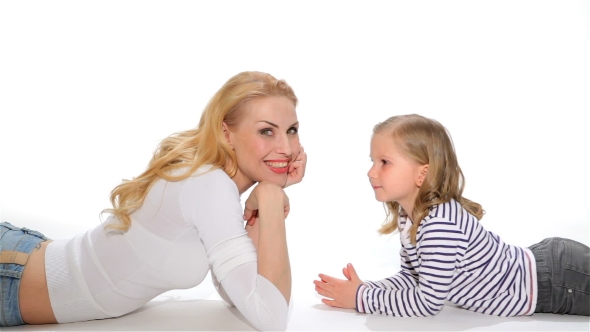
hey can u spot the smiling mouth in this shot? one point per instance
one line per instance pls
(279, 167)
(277, 164)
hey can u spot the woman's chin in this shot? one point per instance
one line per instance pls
(279, 179)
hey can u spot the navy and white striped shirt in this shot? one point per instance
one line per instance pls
(455, 259)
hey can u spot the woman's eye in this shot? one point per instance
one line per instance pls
(266, 132)
(293, 130)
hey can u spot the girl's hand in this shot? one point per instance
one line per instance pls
(262, 191)
(297, 169)
(341, 292)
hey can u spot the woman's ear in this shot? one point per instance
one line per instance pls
(227, 134)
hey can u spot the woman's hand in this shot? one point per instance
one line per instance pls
(297, 169)
(262, 190)
(340, 293)
(253, 231)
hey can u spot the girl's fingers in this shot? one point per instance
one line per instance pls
(331, 303)
(345, 272)
(352, 272)
(323, 292)
(329, 279)
(323, 285)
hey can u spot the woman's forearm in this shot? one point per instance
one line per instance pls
(273, 256)
(253, 231)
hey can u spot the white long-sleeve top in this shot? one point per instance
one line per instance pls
(182, 230)
(455, 259)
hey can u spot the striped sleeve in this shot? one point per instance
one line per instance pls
(406, 278)
(441, 242)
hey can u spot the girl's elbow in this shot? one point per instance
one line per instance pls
(433, 310)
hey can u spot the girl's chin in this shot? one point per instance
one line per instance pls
(380, 199)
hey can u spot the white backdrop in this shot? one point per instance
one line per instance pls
(88, 89)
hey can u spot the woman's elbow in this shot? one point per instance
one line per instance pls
(271, 320)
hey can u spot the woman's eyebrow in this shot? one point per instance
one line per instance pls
(270, 123)
(276, 126)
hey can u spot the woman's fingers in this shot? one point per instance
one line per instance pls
(248, 213)
(250, 206)
(250, 221)
(297, 168)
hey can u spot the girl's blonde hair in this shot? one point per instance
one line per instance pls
(204, 145)
(426, 141)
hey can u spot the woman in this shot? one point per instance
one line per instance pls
(176, 220)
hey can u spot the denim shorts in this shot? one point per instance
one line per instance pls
(16, 244)
(563, 276)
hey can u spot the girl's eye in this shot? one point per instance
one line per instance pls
(384, 162)
(266, 132)
(293, 130)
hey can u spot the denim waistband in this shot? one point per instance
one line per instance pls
(16, 244)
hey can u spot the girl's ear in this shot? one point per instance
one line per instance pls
(227, 134)
(422, 176)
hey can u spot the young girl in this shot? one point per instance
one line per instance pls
(446, 254)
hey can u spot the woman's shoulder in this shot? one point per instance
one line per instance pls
(209, 171)
(210, 178)
(203, 172)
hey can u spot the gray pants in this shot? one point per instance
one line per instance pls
(563, 276)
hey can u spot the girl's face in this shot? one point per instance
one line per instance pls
(266, 141)
(394, 176)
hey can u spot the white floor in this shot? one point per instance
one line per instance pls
(317, 246)
(200, 309)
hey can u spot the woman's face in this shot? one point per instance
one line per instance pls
(266, 141)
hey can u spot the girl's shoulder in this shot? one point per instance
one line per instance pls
(448, 211)
(449, 214)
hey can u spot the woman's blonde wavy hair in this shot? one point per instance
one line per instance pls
(426, 141)
(204, 145)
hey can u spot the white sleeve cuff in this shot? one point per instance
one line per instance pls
(230, 254)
